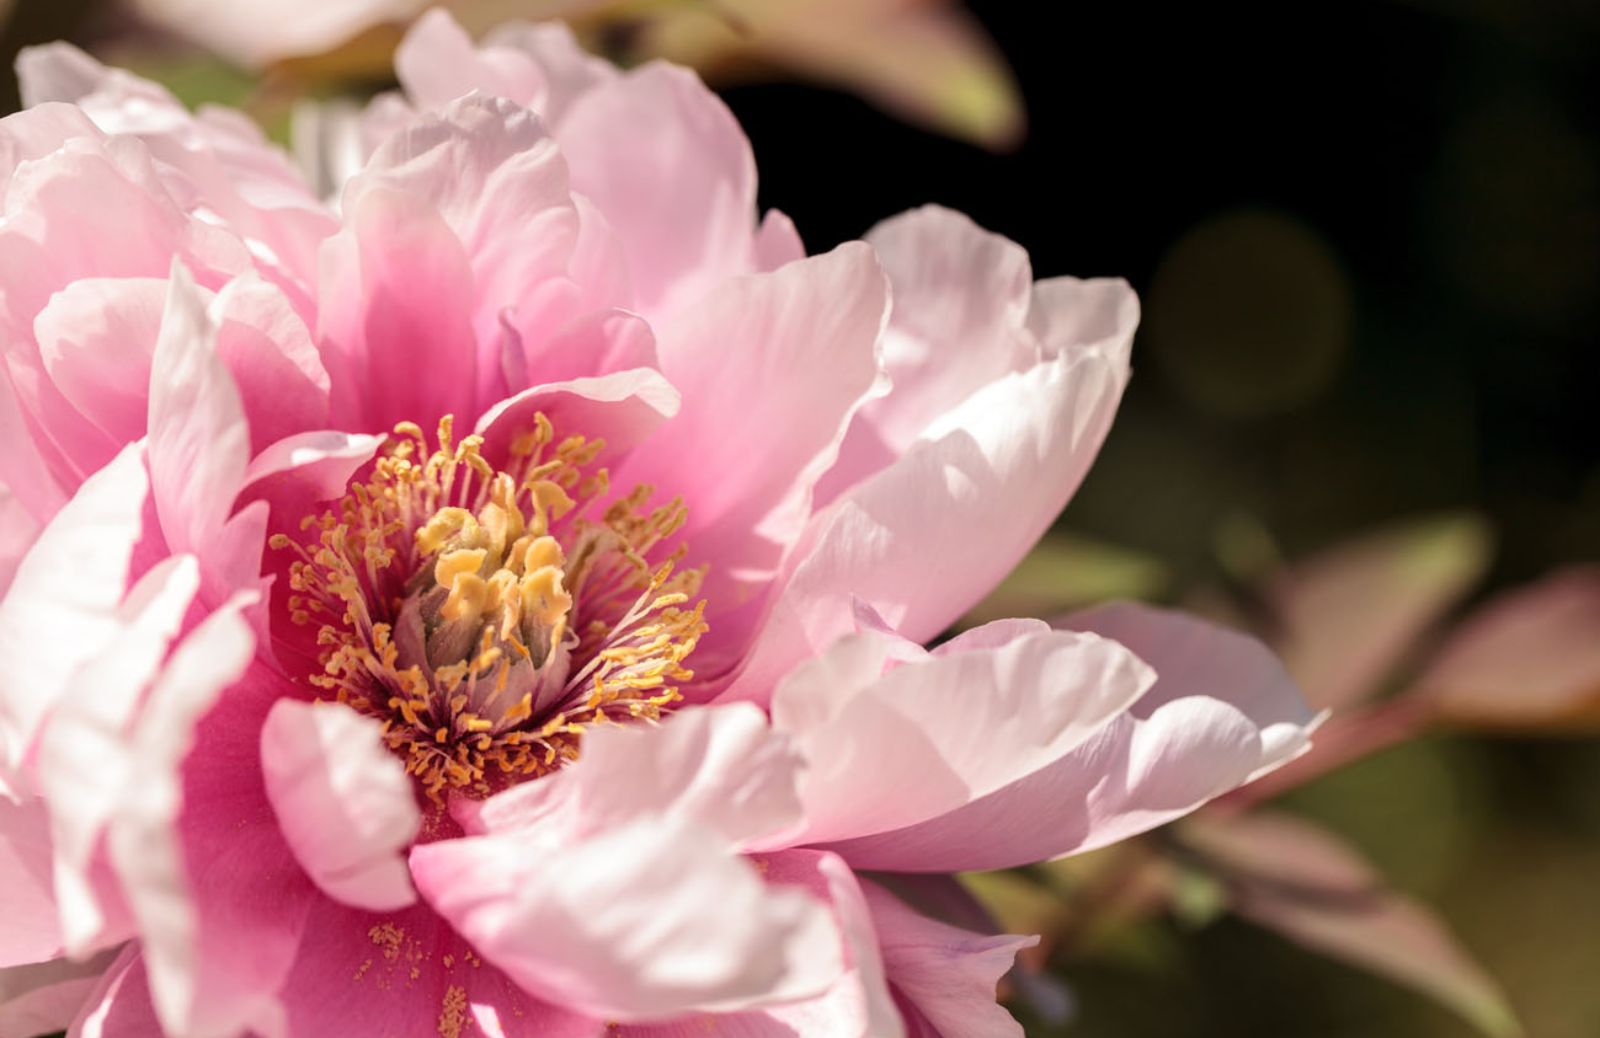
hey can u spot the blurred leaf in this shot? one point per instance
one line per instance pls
(248, 35)
(927, 61)
(195, 79)
(1352, 614)
(1017, 902)
(1530, 658)
(1245, 548)
(1065, 572)
(943, 897)
(1302, 882)
(369, 56)
(1198, 899)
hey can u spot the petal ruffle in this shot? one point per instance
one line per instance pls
(63, 606)
(666, 162)
(346, 805)
(1221, 712)
(937, 733)
(1004, 461)
(217, 896)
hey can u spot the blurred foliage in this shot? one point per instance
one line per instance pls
(926, 61)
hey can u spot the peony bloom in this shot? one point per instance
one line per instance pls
(494, 605)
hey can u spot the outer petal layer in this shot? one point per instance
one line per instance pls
(934, 734)
(1003, 461)
(1222, 711)
(62, 608)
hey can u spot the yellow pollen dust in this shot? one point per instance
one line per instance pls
(483, 615)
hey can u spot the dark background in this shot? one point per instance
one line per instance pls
(1367, 238)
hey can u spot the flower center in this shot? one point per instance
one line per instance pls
(483, 616)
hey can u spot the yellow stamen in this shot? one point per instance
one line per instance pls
(483, 616)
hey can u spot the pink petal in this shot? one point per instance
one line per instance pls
(18, 530)
(119, 1005)
(1194, 658)
(39, 129)
(345, 802)
(862, 993)
(296, 474)
(29, 478)
(27, 899)
(408, 973)
(623, 408)
(217, 896)
(53, 236)
(215, 160)
(199, 437)
(806, 359)
(1221, 712)
(858, 1003)
(947, 974)
(396, 315)
(84, 800)
(1004, 460)
(668, 165)
(777, 241)
(321, 462)
(62, 608)
(267, 348)
(721, 767)
(437, 63)
(914, 732)
(568, 70)
(50, 238)
(199, 446)
(650, 919)
(600, 342)
(96, 338)
(961, 301)
(495, 178)
(57, 72)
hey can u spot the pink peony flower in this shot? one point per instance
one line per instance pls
(495, 605)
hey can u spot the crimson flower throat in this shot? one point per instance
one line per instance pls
(483, 616)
